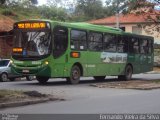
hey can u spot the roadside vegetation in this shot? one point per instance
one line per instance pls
(75, 10)
(14, 98)
(14, 95)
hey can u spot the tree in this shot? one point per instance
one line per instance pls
(92, 9)
(152, 16)
(117, 7)
(2, 2)
(52, 12)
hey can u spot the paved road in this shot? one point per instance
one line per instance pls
(83, 98)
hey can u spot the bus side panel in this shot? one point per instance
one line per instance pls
(134, 60)
(97, 66)
(146, 62)
(57, 66)
(81, 61)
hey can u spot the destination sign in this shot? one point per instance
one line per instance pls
(33, 25)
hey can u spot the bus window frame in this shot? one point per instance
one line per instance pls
(91, 31)
(131, 44)
(70, 40)
(144, 39)
(115, 35)
(125, 43)
(53, 44)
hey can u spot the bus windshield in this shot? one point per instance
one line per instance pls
(32, 43)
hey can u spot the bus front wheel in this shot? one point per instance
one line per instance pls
(74, 75)
(42, 80)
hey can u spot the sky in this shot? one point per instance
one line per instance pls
(41, 2)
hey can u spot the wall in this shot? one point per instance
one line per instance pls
(5, 46)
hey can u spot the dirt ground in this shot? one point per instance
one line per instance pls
(13, 98)
(133, 84)
(156, 69)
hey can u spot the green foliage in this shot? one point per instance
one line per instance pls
(82, 10)
(118, 6)
(7, 12)
(52, 12)
(2, 1)
(90, 8)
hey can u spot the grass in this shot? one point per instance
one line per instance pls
(7, 95)
(21, 14)
(14, 95)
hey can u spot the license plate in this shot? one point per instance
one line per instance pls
(25, 71)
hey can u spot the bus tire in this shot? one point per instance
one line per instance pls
(74, 75)
(127, 74)
(42, 80)
(99, 78)
(29, 78)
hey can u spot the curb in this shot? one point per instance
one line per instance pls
(28, 102)
(134, 88)
(152, 72)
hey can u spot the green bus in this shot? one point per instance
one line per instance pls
(51, 49)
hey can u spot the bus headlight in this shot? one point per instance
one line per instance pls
(46, 62)
(11, 61)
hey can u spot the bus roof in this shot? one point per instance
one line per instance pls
(88, 26)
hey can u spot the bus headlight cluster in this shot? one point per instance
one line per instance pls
(46, 62)
(11, 61)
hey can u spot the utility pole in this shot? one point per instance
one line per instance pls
(117, 14)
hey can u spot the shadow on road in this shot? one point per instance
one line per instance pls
(63, 82)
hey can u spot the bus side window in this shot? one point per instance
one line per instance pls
(95, 41)
(125, 44)
(60, 41)
(78, 40)
(110, 42)
(150, 46)
(133, 45)
(122, 44)
(144, 46)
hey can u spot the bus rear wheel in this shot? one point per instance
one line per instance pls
(99, 77)
(128, 73)
(74, 75)
(42, 80)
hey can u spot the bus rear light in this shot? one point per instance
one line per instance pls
(75, 54)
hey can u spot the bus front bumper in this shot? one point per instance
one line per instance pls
(42, 70)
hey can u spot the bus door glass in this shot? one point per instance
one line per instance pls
(60, 44)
